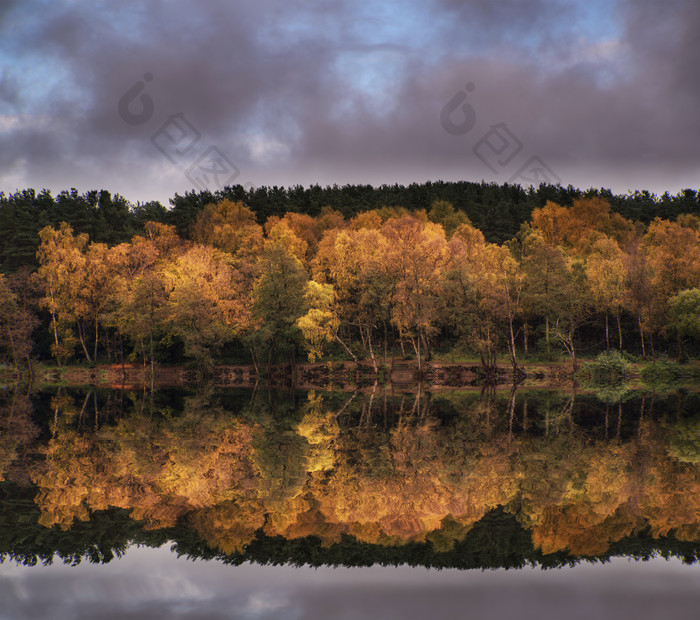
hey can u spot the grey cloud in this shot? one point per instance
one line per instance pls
(270, 78)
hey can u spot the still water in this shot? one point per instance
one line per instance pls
(260, 504)
(154, 584)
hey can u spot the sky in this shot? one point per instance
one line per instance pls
(150, 98)
(154, 584)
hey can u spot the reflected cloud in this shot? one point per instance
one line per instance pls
(267, 604)
(614, 590)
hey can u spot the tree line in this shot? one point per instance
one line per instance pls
(381, 282)
(497, 210)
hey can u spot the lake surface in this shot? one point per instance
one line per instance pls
(262, 504)
(154, 584)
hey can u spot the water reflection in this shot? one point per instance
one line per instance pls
(153, 584)
(503, 478)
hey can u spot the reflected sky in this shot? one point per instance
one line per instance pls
(154, 583)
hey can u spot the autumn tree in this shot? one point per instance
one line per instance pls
(353, 262)
(640, 301)
(139, 305)
(416, 254)
(463, 312)
(545, 273)
(319, 325)
(553, 223)
(672, 254)
(575, 309)
(91, 303)
(307, 229)
(231, 227)
(555, 288)
(205, 308)
(684, 311)
(443, 212)
(329, 219)
(281, 234)
(576, 226)
(137, 302)
(483, 287)
(62, 275)
(501, 279)
(605, 270)
(278, 301)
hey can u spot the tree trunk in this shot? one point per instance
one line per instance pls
(121, 354)
(30, 369)
(350, 353)
(12, 346)
(386, 344)
(153, 366)
(143, 356)
(681, 353)
(81, 335)
(293, 366)
(371, 351)
(641, 337)
(97, 338)
(526, 328)
(426, 347)
(619, 329)
(607, 333)
(513, 359)
(362, 336)
(511, 409)
(255, 361)
(420, 366)
(573, 348)
(55, 337)
(415, 342)
(97, 411)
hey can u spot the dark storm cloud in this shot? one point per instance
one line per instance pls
(486, 19)
(233, 70)
(665, 39)
(338, 93)
(624, 104)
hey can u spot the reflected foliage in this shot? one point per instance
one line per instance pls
(497, 478)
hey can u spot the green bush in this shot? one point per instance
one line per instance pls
(609, 368)
(661, 371)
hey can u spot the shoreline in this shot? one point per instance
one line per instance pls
(402, 376)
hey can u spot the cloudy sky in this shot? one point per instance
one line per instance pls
(151, 98)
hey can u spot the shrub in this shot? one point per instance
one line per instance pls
(610, 367)
(661, 372)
